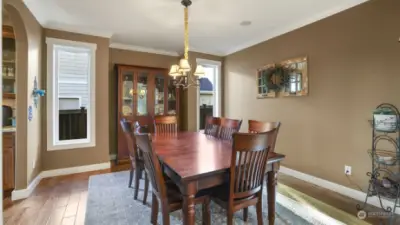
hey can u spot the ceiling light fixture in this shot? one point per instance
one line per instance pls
(182, 73)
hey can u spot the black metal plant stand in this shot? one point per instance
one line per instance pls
(384, 180)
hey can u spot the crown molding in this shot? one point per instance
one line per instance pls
(298, 24)
(81, 31)
(195, 50)
(208, 62)
(143, 49)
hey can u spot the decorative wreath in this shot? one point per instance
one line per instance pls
(276, 77)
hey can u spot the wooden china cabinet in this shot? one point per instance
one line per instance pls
(142, 94)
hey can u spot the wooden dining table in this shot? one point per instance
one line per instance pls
(195, 161)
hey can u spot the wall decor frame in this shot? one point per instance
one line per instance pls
(296, 80)
(266, 85)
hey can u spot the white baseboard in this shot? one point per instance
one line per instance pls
(73, 170)
(24, 193)
(113, 157)
(349, 192)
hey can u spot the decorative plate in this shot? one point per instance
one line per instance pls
(126, 110)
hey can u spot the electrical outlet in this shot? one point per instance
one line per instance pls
(347, 170)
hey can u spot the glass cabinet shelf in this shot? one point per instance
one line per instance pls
(171, 98)
(159, 95)
(127, 95)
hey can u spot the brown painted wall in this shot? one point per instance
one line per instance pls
(99, 153)
(353, 66)
(118, 56)
(28, 55)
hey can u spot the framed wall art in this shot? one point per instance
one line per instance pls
(296, 77)
(266, 82)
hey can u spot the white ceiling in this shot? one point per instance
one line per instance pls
(157, 25)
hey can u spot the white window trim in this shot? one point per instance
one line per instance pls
(217, 88)
(78, 97)
(206, 92)
(52, 100)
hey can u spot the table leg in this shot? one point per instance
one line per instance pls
(188, 210)
(271, 188)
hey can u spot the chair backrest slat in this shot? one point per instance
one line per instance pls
(152, 164)
(126, 126)
(212, 126)
(166, 124)
(229, 127)
(248, 165)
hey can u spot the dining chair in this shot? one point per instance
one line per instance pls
(259, 126)
(165, 192)
(228, 127)
(212, 126)
(246, 175)
(137, 163)
(166, 124)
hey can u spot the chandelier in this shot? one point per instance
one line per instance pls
(182, 73)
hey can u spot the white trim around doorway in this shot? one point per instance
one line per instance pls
(217, 89)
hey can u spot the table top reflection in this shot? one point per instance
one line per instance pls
(194, 154)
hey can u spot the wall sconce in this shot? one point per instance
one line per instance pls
(36, 93)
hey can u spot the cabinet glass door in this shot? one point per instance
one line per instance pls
(127, 94)
(159, 95)
(141, 94)
(171, 97)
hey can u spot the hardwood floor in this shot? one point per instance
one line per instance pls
(329, 197)
(55, 201)
(62, 200)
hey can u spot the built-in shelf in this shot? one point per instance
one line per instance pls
(8, 32)
(8, 78)
(9, 61)
(9, 95)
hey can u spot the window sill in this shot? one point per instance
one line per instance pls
(71, 146)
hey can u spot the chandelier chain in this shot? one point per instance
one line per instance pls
(182, 74)
(186, 34)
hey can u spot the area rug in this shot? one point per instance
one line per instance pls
(110, 202)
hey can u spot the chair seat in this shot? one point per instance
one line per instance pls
(174, 194)
(221, 194)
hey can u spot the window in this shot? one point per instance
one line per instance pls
(209, 94)
(70, 94)
(297, 80)
(295, 83)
